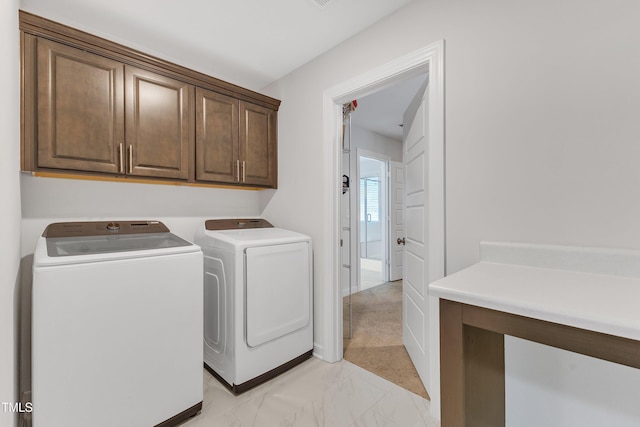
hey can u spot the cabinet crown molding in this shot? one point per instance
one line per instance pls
(45, 28)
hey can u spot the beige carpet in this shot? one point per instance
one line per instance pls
(376, 342)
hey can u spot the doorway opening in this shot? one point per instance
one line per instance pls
(372, 221)
(373, 337)
(429, 59)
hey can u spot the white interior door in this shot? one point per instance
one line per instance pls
(415, 298)
(396, 219)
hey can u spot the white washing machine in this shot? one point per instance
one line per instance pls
(257, 300)
(116, 326)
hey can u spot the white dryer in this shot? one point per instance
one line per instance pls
(258, 300)
(116, 326)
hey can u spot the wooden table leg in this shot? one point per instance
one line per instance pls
(451, 364)
(472, 371)
(484, 377)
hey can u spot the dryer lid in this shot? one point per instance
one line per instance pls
(252, 237)
(242, 233)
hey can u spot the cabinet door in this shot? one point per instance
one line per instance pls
(258, 145)
(159, 124)
(216, 137)
(80, 114)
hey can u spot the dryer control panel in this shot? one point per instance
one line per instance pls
(236, 224)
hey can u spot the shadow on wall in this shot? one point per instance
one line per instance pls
(265, 198)
(44, 197)
(22, 340)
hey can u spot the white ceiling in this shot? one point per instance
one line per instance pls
(382, 111)
(251, 43)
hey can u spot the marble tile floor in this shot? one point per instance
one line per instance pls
(370, 273)
(315, 393)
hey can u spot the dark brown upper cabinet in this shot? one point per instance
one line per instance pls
(235, 141)
(82, 116)
(80, 109)
(94, 107)
(258, 150)
(159, 125)
(217, 150)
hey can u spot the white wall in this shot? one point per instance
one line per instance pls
(10, 209)
(542, 106)
(371, 141)
(181, 208)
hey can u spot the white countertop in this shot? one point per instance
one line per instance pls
(599, 302)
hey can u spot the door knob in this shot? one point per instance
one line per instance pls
(401, 241)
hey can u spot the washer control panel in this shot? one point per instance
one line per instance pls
(102, 228)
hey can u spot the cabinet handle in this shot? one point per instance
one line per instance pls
(121, 155)
(238, 170)
(130, 159)
(244, 171)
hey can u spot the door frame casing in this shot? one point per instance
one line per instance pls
(428, 59)
(392, 236)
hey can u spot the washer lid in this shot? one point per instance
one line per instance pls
(87, 245)
(72, 243)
